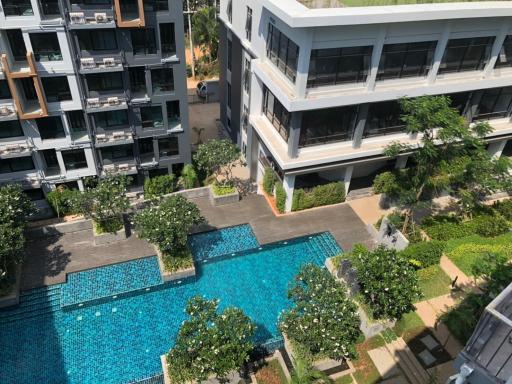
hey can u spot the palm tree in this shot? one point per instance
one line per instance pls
(206, 32)
(304, 373)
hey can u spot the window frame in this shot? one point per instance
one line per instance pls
(407, 51)
(457, 65)
(282, 52)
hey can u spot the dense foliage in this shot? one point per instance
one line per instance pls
(424, 254)
(504, 208)
(218, 158)
(280, 197)
(223, 190)
(63, 200)
(326, 194)
(206, 32)
(269, 181)
(189, 177)
(449, 227)
(210, 343)
(159, 185)
(168, 224)
(495, 270)
(323, 319)
(388, 281)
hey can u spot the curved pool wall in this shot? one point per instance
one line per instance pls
(120, 340)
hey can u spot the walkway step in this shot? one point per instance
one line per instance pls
(406, 360)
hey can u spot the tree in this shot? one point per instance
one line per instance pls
(210, 343)
(448, 147)
(495, 270)
(159, 185)
(388, 281)
(206, 32)
(304, 373)
(218, 158)
(323, 319)
(168, 224)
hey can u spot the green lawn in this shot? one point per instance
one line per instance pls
(347, 379)
(433, 282)
(409, 326)
(366, 3)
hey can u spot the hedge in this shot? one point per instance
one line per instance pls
(280, 197)
(159, 186)
(269, 181)
(485, 225)
(504, 208)
(425, 253)
(326, 194)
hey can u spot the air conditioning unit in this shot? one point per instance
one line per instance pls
(114, 100)
(109, 61)
(100, 17)
(77, 17)
(123, 167)
(101, 137)
(87, 62)
(93, 102)
(5, 110)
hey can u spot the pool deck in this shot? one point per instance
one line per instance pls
(49, 259)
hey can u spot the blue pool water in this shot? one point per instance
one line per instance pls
(120, 341)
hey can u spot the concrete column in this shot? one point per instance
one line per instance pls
(347, 177)
(496, 48)
(495, 149)
(294, 136)
(60, 160)
(301, 80)
(438, 55)
(80, 183)
(401, 161)
(362, 115)
(472, 109)
(289, 186)
(376, 54)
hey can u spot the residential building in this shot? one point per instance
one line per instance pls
(311, 90)
(89, 88)
(487, 357)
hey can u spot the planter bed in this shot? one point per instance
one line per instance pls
(108, 238)
(229, 198)
(13, 297)
(180, 274)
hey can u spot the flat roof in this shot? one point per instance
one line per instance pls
(319, 4)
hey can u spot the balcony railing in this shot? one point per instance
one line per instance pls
(114, 137)
(128, 167)
(15, 149)
(104, 63)
(7, 110)
(98, 18)
(97, 103)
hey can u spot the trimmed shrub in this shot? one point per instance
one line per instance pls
(269, 181)
(489, 226)
(222, 190)
(504, 208)
(280, 197)
(425, 253)
(159, 186)
(189, 177)
(63, 201)
(320, 195)
(449, 230)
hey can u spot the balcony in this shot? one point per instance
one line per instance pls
(22, 148)
(27, 179)
(148, 160)
(114, 138)
(104, 18)
(7, 112)
(100, 104)
(109, 63)
(128, 167)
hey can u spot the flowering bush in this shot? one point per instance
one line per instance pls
(210, 343)
(324, 320)
(388, 281)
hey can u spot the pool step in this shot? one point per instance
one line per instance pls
(324, 245)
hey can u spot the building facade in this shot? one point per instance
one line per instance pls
(89, 88)
(312, 92)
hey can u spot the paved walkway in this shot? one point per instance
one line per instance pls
(463, 281)
(369, 209)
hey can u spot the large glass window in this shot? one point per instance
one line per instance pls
(156, 5)
(505, 56)
(46, 46)
(327, 125)
(282, 52)
(97, 40)
(248, 24)
(27, 85)
(230, 55)
(384, 118)
(143, 41)
(247, 76)
(50, 127)
(17, 164)
(17, 44)
(406, 60)
(137, 79)
(101, 82)
(173, 110)
(10, 128)
(5, 92)
(56, 88)
(459, 101)
(111, 119)
(167, 39)
(152, 117)
(507, 151)
(495, 103)
(76, 121)
(168, 146)
(277, 114)
(162, 80)
(50, 7)
(116, 153)
(339, 65)
(74, 159)
(17, 8)
(229, 10)
(466, 54)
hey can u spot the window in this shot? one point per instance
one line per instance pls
(277, 114)
(229, 10)
(162, 80)
(168, 147)
(383, 118)
(17, 8)
(143, 41)
(152, 117)
(10, 128)
(17, 164)
(50, 127)
(247, 76)
(108, 120)
(74, 159)
(406, 60)
(56, 88)
(116, 153)
(495, 103)
(101, 82)
(282, 52)
(46, 46)
(156, 5)
(34, 194)
(229, 96)
(466, 54)
(248, 24)
(230, 55)
(339, 66)
(76, 121)
(97, 40)
(507, 151)
(137, 79)
(173, 110)
(167, 39)
(17, 44)
(129, 9)
(27, 84)
(5, 92)
(459, 101)
(245, 118)
(50, 7)
(505, 56)
(327, 125)
(50, 159)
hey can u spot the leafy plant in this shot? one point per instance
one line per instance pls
(504, 208)
(218, 158)
(467, 254)
(280, 197)
(189, 177)
(304, 373)
(448, 230)
(63, 200)
(222, 190)
(269, 180)
(206, 31)
(326, 194)
(490, 226)
(323, 319)
(425, 253)
(160, 185)
(388, 281)
(209, 342)
(495, 270)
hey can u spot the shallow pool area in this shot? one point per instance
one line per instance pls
(120, 338)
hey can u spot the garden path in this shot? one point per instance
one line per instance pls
(464, 282)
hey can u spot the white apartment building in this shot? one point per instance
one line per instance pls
(89, 88)
(312, 90)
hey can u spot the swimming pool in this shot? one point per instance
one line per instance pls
(120, 340)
